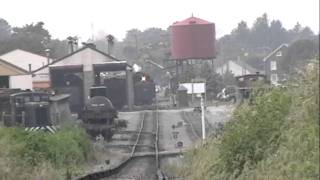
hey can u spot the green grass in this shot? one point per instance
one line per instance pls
(277, 137)
(27, 155)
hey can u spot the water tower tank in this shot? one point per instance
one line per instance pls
(193, 38)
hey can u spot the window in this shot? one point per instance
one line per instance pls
(273, 65)
(274, 78)
(279, 53)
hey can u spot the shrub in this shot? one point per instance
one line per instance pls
(254, 133)
(28, 152)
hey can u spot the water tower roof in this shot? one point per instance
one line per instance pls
(191, 20)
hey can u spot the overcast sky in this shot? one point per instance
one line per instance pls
(75, 17)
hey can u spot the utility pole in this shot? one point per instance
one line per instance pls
(202, 119)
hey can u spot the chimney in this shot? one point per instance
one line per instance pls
(70, 44)
(110, 42)
(48, 55)
(75, 43)
(30, 68)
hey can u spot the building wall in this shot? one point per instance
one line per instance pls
(41, 79)
(86, 57)
(236, 69)
(21, 82)
(278, 71)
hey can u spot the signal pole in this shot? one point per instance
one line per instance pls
(202, 119)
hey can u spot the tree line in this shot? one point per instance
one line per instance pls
(250, 44)
(30, 37)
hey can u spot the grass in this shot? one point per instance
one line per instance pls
(40, 155)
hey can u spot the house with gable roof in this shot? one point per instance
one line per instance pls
(14, 77)
(272, 65)
(236, 67)
(28, 62)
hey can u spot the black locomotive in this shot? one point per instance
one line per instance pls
(99, 114)
(25, 109)
(144, 89)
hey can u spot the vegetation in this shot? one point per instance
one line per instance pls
(31, 37)
(277, 137)
(40, 155)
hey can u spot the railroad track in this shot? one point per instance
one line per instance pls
(194, 122)
(147, 128)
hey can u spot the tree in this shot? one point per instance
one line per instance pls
(261, 31)
(299, 53)
(58, 48)
(5, 30)
(242, 33)
(278, 34)
(30, 37)
(299, 32)
(306, 33)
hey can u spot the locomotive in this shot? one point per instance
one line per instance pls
(99, 114)
(32, 110)
(144, 89)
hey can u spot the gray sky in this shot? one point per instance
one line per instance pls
(75, 17)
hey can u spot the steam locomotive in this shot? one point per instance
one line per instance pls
(144, 89)
(99, 114)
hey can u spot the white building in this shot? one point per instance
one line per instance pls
(14, 77)
(238, 68)
(28, 62)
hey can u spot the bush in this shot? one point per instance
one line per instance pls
(69, 146)
(255, 131)
(28, 152)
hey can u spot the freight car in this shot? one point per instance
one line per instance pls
(144, 89)
(99, 114)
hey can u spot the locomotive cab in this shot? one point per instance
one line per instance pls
(37, 114)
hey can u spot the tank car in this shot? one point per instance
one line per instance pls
(99, 114)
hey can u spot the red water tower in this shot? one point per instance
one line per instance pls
(193, 38)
